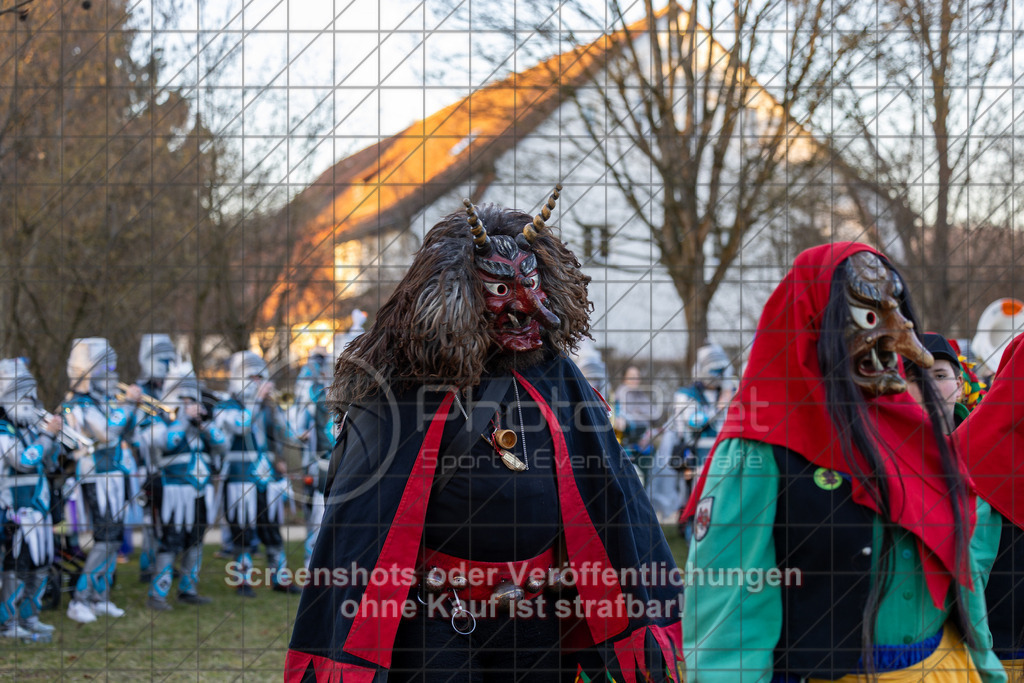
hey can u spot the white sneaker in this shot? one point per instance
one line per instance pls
(80, 612)
(35, 626)
(106, 608)
(15, 630)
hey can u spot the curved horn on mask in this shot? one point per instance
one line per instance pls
(476, 226)
(533, 229)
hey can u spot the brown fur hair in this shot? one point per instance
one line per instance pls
(434, 327)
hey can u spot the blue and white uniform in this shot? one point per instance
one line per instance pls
(182, 454)
(253, 489)
(102, 475)
(698, 412)
(156, 356)
(310, 421)
(27, 455)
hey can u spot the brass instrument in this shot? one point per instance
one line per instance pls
(70, 438)
(148, 404)
(284, 399)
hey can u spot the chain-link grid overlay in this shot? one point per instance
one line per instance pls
(261, 175)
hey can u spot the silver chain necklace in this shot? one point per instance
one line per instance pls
(458, 402)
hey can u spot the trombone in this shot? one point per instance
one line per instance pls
(147, 404)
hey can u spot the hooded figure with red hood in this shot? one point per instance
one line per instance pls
(482, 522)
(992, 440)
(836, 536)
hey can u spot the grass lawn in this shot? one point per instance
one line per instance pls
(676, 543)
(232, 639)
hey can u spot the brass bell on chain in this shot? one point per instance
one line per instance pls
(505, 438)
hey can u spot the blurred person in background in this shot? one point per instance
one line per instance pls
(181, 453)
(634, 412)
(156, 355)
(253, 505)
(29, 451)
(94, 409)
(698, 411)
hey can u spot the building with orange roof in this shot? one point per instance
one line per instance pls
(507, 142)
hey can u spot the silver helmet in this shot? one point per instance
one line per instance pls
(316, 373)
(243, 367)
(92, 366)
(181, 383)
(712, 366)
(18, 392)
(156, 353)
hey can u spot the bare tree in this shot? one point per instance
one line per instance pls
(130, 206)
(927, 124)
(251, 141)
(88, 154)
(704, 112)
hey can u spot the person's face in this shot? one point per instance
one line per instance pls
(948, 383)
(162, 366)
(714, 378)
(632, 378)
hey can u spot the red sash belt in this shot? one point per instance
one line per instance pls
(482, 578)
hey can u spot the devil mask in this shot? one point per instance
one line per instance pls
(514, 296)
(878, 333)
(513, 292)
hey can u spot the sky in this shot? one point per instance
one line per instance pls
(301, 84)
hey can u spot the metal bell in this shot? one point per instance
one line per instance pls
(506, 593)
(434, 580)
(535, 584)
(555, 581)
(457, 580)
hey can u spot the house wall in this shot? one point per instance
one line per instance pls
(638, 315)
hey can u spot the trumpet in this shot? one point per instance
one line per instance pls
(284, 399)
(70, 438)
(147, 404)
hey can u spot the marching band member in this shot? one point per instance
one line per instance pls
(29, 450)
(180, 453)
(93, 410)
(156, 355)
(311, 421)
(252, 508)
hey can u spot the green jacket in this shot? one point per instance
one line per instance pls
(730, 631)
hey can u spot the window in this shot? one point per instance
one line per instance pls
(349, 269)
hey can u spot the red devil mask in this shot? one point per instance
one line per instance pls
(513, 292)
(514, 296)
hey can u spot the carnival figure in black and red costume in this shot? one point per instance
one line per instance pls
(482, 521)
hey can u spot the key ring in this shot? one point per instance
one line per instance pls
(419, 594)
(462, 617)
